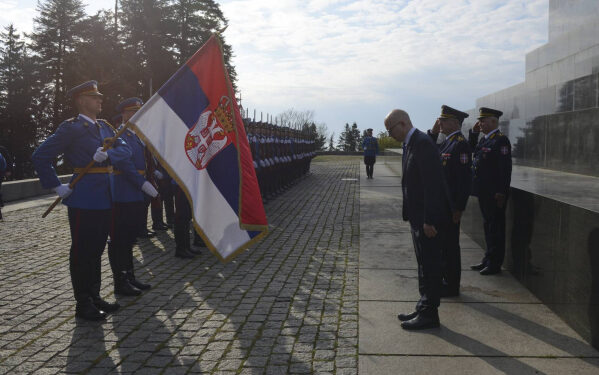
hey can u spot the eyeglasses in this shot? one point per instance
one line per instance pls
(391, 129)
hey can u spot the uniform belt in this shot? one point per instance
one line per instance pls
(140, 171)
(94, 170)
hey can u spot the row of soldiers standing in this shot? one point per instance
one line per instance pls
(281, 155)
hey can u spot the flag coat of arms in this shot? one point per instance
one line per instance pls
(194, 127)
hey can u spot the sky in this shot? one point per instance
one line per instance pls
(354, 61)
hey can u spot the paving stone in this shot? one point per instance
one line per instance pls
(265, 312)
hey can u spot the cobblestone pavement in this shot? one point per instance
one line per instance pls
(289, 305)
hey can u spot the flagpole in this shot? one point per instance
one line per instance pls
(107, 144)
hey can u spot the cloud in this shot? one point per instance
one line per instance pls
(13, 12)
(329, 51)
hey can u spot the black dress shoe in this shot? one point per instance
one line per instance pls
(490, 270)
(136, 283)
(478, 267)
(106, 306)
(159, 226)
(122, 287)
(422, 321)
(405, 317)
(184, 254)
(89, 311)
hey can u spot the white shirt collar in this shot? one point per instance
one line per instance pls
(491, 132)
(407, 140)
(87, 118)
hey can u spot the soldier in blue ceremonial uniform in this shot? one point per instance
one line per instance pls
(492, 174)
(371, 149)
(128, 212)
(457, 163)
(80, 139)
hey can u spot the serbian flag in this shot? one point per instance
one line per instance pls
(194, 128)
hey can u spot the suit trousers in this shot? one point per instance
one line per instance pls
(369, 162)
(494, 225)
(127, 217)
(451, 257)
(89, 231)
(428, 254)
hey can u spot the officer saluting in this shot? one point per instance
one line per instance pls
(492, 173)
(456, 160)
(80, 139)
(128, 213)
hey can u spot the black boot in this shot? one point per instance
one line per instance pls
(122, 286)
(136, 283)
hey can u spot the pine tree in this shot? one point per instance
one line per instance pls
(356, 139)
(147, 30)
(332, 142)
(57, 30)
(101, 56)
(19, 87)
(192, 24)
(346, 139)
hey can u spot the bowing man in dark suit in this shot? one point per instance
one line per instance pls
(426, 206)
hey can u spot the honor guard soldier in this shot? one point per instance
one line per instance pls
(80, 140)
(492, 173)
(456, 159)
(371, 149)
(128, 188)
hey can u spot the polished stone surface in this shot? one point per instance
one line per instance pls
(551, 118)
(574, 189)
(552, 121)
(553, 249)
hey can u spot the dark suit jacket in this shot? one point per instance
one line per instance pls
(425, 193)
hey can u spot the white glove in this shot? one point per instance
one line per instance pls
(100, 155)
(158, 175)
(149, 189)
(63, 190)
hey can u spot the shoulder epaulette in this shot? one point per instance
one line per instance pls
(107, 123)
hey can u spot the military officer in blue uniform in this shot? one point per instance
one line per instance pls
(371, 149)
(80, 140)
(456, 159)
(129, 187)
(492, 174)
